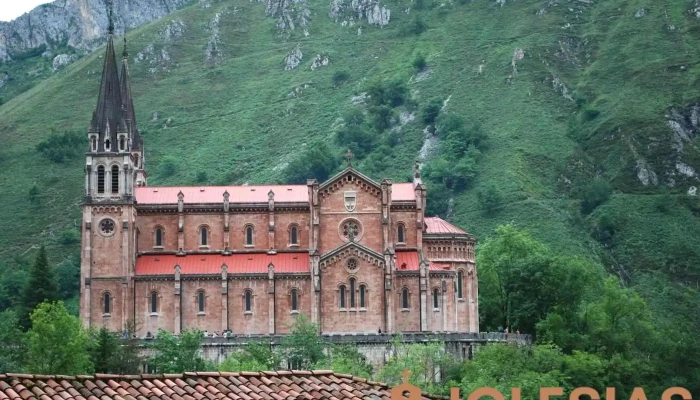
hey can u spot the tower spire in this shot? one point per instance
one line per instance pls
(128, 101)
(110, 15)
(108, 119)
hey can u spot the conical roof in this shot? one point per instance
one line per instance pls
(128, 102)
(108, 117)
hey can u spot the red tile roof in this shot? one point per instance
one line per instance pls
(402, 192)
(198, 264)
(215, 194)
(438, 225)
(243, 194)
(281, 385)
(439, 266)
(407, 261)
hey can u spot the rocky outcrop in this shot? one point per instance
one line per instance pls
(369, 10)
(695, 10)
(81, 24)
(290, 14)
(212, 52)
(685, 125)
(321, 60)
(561, 88)
(158, 54)
(293, 59)
(62, 60)
(518, 55)
(640, 13)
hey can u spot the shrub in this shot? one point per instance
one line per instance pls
(431, 111)
(167, 167)
(201, 177)
(416, 26)
(355, 134)
(392, 93)
(419, 63)
(490, 199)
(340, 77)
(69, 237)
(595, 194)
(64, 147)
(590, 113)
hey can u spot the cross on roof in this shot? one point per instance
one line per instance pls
(349, 156)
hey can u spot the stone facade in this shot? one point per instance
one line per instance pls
(352, 254)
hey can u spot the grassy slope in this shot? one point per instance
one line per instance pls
(236, 122)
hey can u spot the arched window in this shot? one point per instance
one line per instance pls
(248, 301)
(460, 277)
(404, 298)
(342, 296)
(293, 235)
(159, 237)
(154, 302)
(107, 305)
(203, 236)
(200, 301)
(295, 300)
(122, 143)
(101, 179)
(93, 143)
(436, 301)
(363, 296)
(401, 234)
(115, 179)
(352, 292)
(248, 235)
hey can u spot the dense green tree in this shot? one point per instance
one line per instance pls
(303, 347)
(595, 194)
(68, 278)
(56, 343)
(12, 282)
(316, 162)
(40, 287)
(431, 110)
(255, 356)
(11, 343)
(346, 360)
(490, 199)
(104, 347)
(521, 281)
(179, 354)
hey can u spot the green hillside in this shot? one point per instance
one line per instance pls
(569, 95)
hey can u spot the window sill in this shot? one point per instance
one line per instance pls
(154, 314)
(343, 309)
(401, 243)
(461, 300)
(204, 247)
(436, 310)
(248, 313)
(249, 246)
(362, 310)
(158, 247)
(201, 313)
(293, 245)
(294, 312)
(405, 310)
(106, 315)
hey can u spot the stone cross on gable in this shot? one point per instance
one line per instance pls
(348, 157)
(351, 235)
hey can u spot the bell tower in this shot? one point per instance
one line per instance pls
(113, 168)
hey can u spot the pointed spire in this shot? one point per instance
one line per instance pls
(107, 119)
(128, 101)
(110, 17)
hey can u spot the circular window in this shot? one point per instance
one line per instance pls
(107, 227)
(352, 265)
(350, 230)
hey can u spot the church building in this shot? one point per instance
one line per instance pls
(353, 254)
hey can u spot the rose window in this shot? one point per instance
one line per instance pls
(351, 230)
(107, 226)
(352, 264)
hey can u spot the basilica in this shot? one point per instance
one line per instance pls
(352, 254)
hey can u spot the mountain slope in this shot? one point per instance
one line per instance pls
(566, 92)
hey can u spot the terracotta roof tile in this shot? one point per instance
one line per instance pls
(210, 264)
(280, 385)
(215, 194)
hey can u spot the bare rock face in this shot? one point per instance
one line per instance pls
(212, 53)
(695, 10)
(369, 10)
(158, 54)
(293, 59)
(62, 60)
(321, 60)
(82, 24)
(518, 55)
(560, 87)
(290, 14)
(640, 13)
(685, 125)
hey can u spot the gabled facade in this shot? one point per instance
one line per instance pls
(353, 254)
